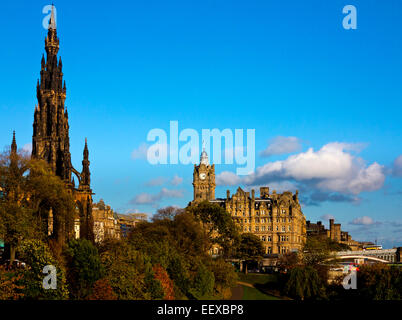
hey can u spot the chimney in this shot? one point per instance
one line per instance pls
(264, 192)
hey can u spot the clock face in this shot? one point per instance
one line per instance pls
(203, 176)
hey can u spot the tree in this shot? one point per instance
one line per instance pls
(167, 284)
(17, 221)
(84, 267)
(203, 284)
(317, 253)
(218, 224)
(304, 283)
(29, 190)
(48, 192)
(250, 249)
(167, 213)
(180, 246)
(225, 278)
(125, 270)
(37, 255)
(102, 290)
(379, 282)
(289, 260)
(9, 287)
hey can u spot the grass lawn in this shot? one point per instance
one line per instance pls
(255, 294)
(256, 278)
(264, 285)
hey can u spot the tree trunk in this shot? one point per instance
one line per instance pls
(245, 268)
(12, 253)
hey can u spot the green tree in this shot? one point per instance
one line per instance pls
(203, 284)
(37, 255)
(17, 220)
(250, 249)
(225, 278)
(218, 224)
(125, 270)
(379, 282)
(84, 267)
(318, 253)
(304, 283)
(29, 189)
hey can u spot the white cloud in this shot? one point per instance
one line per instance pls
(27, 147)
(281, 145)
(397, 167)
(365, 220)
(176, 180)
(227, 178)
(155, 182)
(153, 199)
(140, 152)
(144, 198)
(327, 216)
(331, 168)
(158, 181)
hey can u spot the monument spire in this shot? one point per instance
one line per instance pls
(14, 145)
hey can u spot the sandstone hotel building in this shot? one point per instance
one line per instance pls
(276, 218)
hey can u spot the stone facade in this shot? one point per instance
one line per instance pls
(127, 222)
(334, 233)
(204, 180)
(106, 225)
(51, 142)
(276, 218)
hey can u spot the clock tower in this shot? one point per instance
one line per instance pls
(204, 180)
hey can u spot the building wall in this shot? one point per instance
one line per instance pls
(276, 219)
(105, 224)
(334, 233)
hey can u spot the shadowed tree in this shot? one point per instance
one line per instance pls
(250, 249)
(167, 213)
(218, 224)
(28, 190)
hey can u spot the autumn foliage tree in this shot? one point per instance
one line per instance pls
(102, 290)
(166, 282)
(28, 191)
(10, 289)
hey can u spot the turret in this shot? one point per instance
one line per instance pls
(14, 145)
(85, 174)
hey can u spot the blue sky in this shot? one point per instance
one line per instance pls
(287, 69)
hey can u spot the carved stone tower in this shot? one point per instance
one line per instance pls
(51, 141)
(204, 180)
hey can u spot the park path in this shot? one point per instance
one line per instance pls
(237, 293)
(245, 284)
